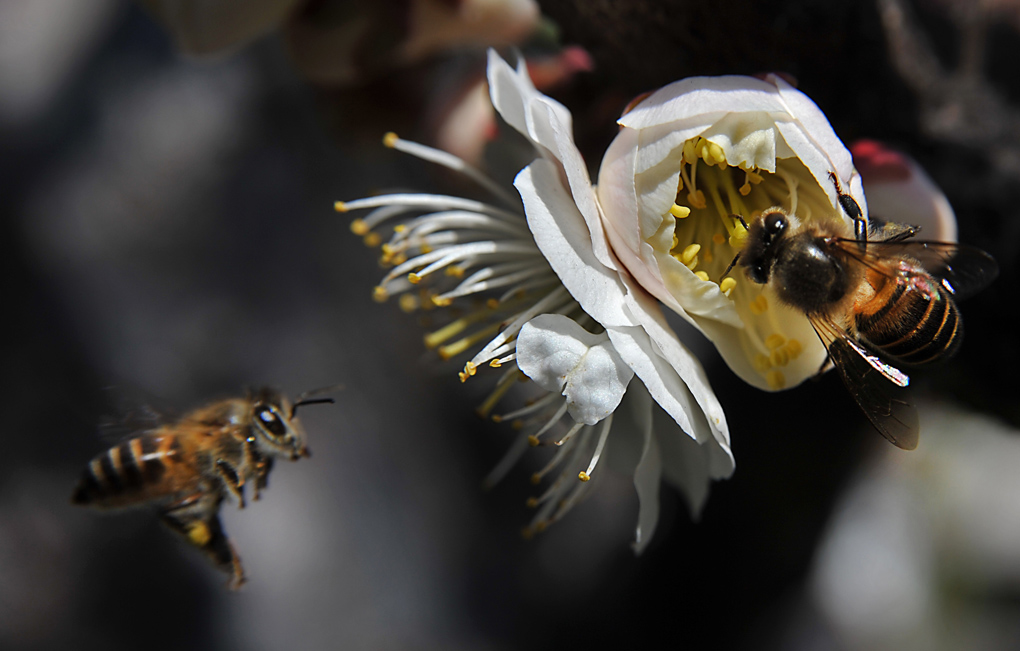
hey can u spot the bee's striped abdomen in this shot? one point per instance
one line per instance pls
(126, 470)
(913, 320)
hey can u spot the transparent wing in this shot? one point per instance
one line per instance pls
(876, 386)
(963, 270)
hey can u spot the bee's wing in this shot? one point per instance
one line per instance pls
(964, 270)
(877, 386)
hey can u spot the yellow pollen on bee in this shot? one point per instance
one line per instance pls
(761, 363)
(702, 275)
(680, 212)
(390, 139)
(199, 533)
(719, 238)
(759, 305)
(373, 240)
(583, 476)
(408, 303)
(727, 285)
(774, 341)
(379, 294)
(775, 379)
(413, 278)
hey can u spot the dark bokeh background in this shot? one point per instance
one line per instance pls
(168, 238)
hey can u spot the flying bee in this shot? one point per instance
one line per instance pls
(187, 467)
(878, 300)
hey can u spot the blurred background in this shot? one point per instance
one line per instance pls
(168, 170)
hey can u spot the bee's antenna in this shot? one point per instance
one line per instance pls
(315, 401)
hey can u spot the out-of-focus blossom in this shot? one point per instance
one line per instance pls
(546, 293)
(347, 41)
(691, 164)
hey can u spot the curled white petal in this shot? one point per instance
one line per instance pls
(561, 356)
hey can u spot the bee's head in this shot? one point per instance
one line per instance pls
(763, 236)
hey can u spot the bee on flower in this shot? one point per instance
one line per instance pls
(564, 285)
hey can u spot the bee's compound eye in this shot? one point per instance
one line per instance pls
(270, 420)
(775, 222)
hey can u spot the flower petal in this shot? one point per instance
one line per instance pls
(565, 241)
(561, 356)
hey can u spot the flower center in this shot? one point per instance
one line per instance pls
(704, 230)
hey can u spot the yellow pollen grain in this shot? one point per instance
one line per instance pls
(719, 238)
(759, 305)
(390, 139)
(340, 206)
(697, 199)
(408, 303)
(199, 534)
(359, 227)
(703, 275)
(373, 240)
(761, 363)
(379, 294)
(690, 253)
(680, 212)
(779, 357)
(727, 284)
(794, 348)
(774, 341)
(583, 476)
(413, 278)
(455, 271)
(745, 189)
(775, 379)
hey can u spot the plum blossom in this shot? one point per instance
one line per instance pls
(547, 300)
(696, 160)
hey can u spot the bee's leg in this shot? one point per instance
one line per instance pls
(826, 365)
(231, 480)
(262, 474)
(253, 460)
(853, 211)
(198, 522)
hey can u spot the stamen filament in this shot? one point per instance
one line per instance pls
(585, 475)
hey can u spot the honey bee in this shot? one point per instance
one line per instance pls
(878, 300)
(187, 467)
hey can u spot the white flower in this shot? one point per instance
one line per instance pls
(690, 161)
(560, 309)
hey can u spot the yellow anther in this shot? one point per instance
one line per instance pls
(583, 476)
(774, 341)
(399, 258)
(413, 278)
(400, 228)
(470, 368)
(727, 284)
(690, 152)
(697, 199)
(717, 153)
(690, 253)
(390, 139)
(679, 184)
(455, 271)
(693, 264)
(533, 441)
(719, 238)
(776, 380)
(755, 178)
(531, 502)
(491, 303)
(745, 189)
(388, 249)
(707, 256)
(340, 206)
(702, 275)
(759, 305)
(536, 478)
(541, 525)
(496, 418)
(779, 357)
(372, 240)
(463, 376)
(676, 242)
(379, 294)
(408, 303)
(761, 363)
(680, 212)
(495, 364)
(794, 348)
(441, 301)
(738, 236)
